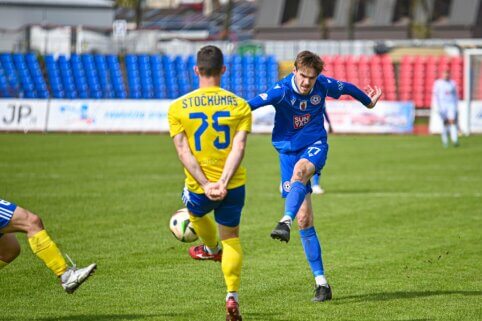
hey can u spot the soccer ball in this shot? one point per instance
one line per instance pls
(181, 227)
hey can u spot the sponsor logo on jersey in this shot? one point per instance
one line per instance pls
(287, 186)
(315, 99)
(276, 86)
(263, 96)
(301, 120)
(293, 101)
(303, 105)
(340, 85)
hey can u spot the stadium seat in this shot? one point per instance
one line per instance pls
(95, 90)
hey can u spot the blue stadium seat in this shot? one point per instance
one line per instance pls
(158, 81)
(10, 73)
(133, 77)
(53, 73)
(67, 77)
(95, 90)
(147, 76)
(104, 76)
(79, 76)
(37, 75)
(116, 76)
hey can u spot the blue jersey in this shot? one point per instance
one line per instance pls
(6, 213)
(299, 118)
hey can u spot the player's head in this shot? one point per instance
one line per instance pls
(446, 74)
(308, 66)
(210, 62)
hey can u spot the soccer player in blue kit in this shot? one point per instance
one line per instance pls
(301, 141)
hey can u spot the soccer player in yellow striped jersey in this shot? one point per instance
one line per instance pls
(209, 127)
(15, 219)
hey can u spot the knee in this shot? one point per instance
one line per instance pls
(10, 251)
(302, 172)
(304, 221)
(15, 251)
(34, 222)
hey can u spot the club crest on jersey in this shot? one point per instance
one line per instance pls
(287, 186)
(315, 99)
(301, 120)
(303, 105)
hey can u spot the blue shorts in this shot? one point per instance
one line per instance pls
(316, 154)
(226, 212)
(6, 213)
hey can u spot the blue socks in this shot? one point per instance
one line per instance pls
(312, 248)
(316, 179)
(295, 198)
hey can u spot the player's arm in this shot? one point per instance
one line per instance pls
(369, 98)
(188, 160)
(234, 158)
(271, 97)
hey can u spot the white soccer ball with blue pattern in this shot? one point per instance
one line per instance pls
(181, 227)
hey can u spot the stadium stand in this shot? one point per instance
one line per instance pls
(362, 71)
(142, 76)
(418, 73)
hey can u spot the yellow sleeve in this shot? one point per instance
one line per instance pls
(245, 117)
(175, 125)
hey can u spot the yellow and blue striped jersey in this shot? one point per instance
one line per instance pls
(210, 117)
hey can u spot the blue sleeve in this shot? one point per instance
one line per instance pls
(337, 88)
(272, 97)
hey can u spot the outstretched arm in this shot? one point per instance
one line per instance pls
(271, 97)
(369, 98)
(374, 93)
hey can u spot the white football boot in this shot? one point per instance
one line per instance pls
(317, 189)
(74, 277)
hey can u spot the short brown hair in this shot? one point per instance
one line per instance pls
(310, 60)
(210, 61)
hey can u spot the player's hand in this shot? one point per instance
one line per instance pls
(374, 93)
(330, 129)
(215, 191)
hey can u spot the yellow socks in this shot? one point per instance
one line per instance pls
(43, 246)
(231, 263)
(206, 229)
(2, 264)
(232, 251)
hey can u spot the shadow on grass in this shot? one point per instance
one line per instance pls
(400, 295)
(106, 317)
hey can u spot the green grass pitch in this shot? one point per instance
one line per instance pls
(400, 227)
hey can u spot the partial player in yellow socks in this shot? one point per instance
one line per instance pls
(231, 263)
(46, 250)
(206, 230)
(13, 219)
